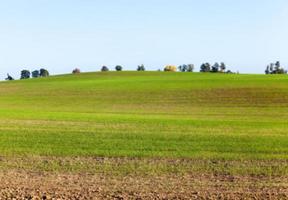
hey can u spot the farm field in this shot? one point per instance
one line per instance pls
(145, 135)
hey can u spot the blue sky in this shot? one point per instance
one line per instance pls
(63, 34)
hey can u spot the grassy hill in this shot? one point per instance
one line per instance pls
(146, 114)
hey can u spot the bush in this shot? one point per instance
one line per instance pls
(9, 78)
(105, 69)
(229, 72)
(118, 68)
(25, 74)
(76, 71)
(170, 68)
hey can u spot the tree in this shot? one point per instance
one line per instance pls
(25, 74)
(271, 67)
(205, 67)
(104, 69)
(190, 68)
(275, 68)
(230, 72)
(267, 71)
(183, 68)
(35, 74)
(170, 68)
(9, 78)
(186, 68)
(222, 67)
(277, 65)
(76, 71)
(215, 67)
(141, 68)
(118, 68)
(44, 72)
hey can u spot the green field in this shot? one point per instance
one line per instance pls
(147, 115)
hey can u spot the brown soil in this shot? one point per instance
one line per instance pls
(31, 185)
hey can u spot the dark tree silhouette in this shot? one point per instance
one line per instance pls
(104, 69)
(118, 68)
(35, 74)
(44, 72)
(141, 68)
(9, 78)
(76, 71)
(25, 74)
(275, 68)
(205, 67)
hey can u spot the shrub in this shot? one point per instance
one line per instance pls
(170, 68)
(230, 72)
(76, 71)
(105, 69)
(9, 78)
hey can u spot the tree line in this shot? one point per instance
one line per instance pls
(205, 67)
(26, 74)
(273, 68)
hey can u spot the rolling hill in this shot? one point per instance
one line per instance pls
(146, 114)
(149, 135)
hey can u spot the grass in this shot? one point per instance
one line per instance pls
(147, 115)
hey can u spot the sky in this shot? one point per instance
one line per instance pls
(60, 35)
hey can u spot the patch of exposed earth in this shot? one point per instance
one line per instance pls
(23, 184)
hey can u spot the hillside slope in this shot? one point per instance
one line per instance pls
(144, 135)
(146, 114)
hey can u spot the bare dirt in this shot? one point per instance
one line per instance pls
(23, 184)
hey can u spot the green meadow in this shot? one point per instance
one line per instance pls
(153, 115)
